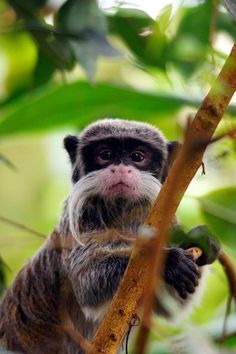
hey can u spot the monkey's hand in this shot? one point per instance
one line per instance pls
(181, 271)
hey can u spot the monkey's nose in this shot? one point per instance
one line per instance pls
(120, 169)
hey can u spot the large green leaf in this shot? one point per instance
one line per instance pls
(78, 103)
(219, 208)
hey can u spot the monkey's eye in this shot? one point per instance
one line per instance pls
(106, 155)
(137, 156)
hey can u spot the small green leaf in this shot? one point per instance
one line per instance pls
(43, 71)
(87, 51)
(55, 49)
(189, 47)
(134, 27)
(200, 236)
(163, 18)
(78, 16)
(177, 236)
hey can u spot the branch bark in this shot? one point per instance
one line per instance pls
(145, 266)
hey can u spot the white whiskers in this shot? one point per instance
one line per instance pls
(125, 213)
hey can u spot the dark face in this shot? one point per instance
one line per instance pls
(128, 152)
(118, 179)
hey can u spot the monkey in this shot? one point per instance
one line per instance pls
(118, 168)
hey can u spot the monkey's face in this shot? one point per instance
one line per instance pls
(118, 167)
(121, 166)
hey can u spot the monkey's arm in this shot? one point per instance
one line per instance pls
(95, 271)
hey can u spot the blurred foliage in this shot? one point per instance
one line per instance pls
(153, 68)
(219, 209)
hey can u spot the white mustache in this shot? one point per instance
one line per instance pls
(90, 186)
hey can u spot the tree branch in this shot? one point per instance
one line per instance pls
(145, 266)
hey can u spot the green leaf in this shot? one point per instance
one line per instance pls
(43, 71)
(86, 26)
(78, 103)
(153, 46)
(163, 17)
(55, 49)
(145, 37)
(219, 209)
(78, 16)
(226, 24)
(188, 49)
(196, 22)
(87, 51)
(200, 236)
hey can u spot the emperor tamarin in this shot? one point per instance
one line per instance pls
(118, 168)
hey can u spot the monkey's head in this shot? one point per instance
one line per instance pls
(118, 167)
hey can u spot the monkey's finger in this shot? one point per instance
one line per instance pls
(182, 283)
(190, 269)
(190, 284)
(187, 283)
(181, 290)
(192, 277)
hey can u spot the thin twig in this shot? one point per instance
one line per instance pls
(7, 162)
(21, 226)
(230, 271)
(229, 134)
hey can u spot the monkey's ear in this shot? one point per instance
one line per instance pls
(172, 149)
(71, 143)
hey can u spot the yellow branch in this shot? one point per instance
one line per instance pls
(147, 258)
